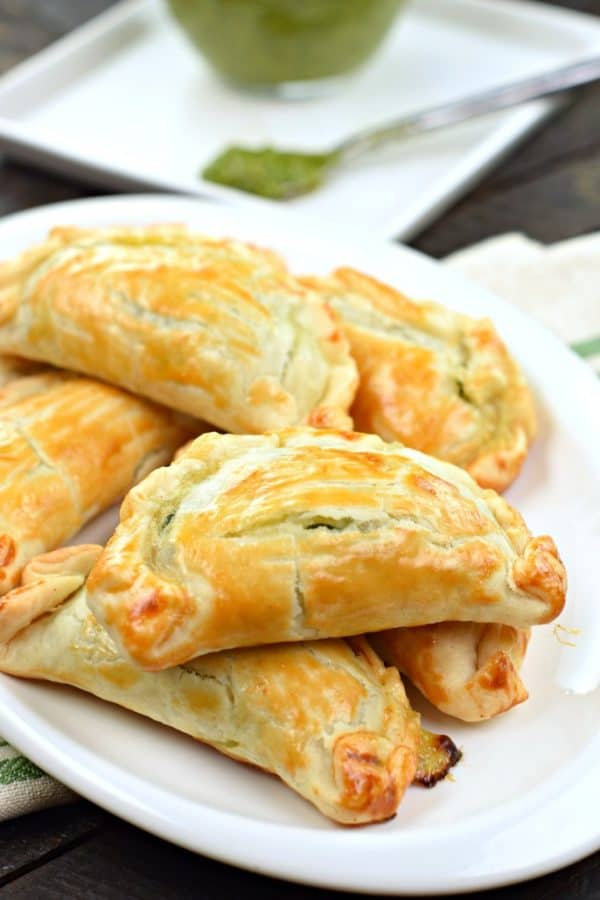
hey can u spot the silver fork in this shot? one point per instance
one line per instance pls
(281, 174)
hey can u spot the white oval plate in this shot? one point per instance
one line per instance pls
(524, 799)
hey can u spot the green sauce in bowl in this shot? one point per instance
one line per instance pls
(270, 42)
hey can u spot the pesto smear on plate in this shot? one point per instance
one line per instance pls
(276, 174)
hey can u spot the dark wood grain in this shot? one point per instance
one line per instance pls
(27, 26)
(562, 203)
(120, 861)
(550, 188)
(22, 188)
(573, 134)
(33, 839)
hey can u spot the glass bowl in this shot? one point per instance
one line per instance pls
(293, 48)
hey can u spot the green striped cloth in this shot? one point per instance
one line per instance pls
(589, 350)
(559, 285)
(24, 788)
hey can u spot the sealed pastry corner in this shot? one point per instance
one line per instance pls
(469, 670)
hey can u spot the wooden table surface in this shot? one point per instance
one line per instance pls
(549, 188)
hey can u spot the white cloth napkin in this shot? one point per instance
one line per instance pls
(24, 788)
(560, 285)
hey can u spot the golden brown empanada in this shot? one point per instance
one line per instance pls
(69, 448)
(304, 534)
(215, 328)
(326, 717)
(468, 670)
(433, 379)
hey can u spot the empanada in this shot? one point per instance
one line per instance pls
(433, 379)
(468, 670)
(304, 534)
(215, 328)
(69, 448)
(326, 717)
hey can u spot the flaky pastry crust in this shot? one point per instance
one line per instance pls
(301, 534)
(70, 447)
(466, 669)
(433, 379)
(326, 717)
(215, 328)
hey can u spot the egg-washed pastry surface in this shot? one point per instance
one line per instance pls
(310, 533)
(70, 447)
(433, 379)
(215, 328)
(326, 717)
(469, 670)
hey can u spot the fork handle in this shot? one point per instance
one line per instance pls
(553, 82)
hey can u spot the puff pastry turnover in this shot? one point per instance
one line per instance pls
(433, 379)
(249, 540)
(215, 328)
(69, 448)
(326, 717)
(468, 670)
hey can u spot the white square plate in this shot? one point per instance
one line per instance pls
(124, 101)
(525, 797)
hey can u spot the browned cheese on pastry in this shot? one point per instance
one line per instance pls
(433, 379)
(437, 755)
(215, 328)
(70, 447)
(468, 670)
(304, 534)
(326, 717)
